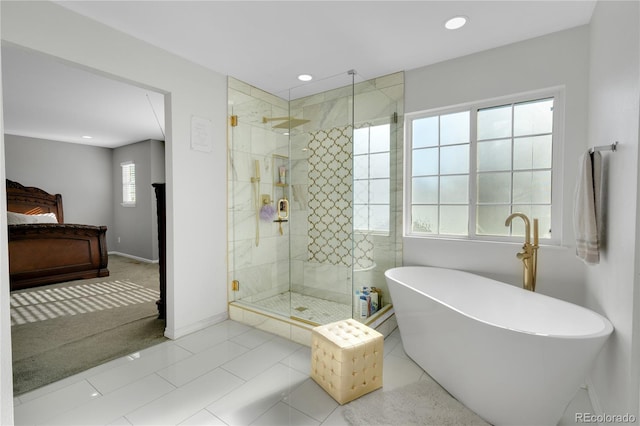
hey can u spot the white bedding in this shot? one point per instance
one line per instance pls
(19, 218)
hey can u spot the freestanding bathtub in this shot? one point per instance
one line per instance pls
(512, 356)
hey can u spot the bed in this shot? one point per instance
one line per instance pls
(45, 250)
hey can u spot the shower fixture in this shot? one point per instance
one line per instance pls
(287, 122)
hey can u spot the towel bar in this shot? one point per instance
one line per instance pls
(612, 147)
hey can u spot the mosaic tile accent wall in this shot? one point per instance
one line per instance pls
(362, 251)
(330, 195)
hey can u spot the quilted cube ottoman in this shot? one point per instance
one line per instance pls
(346, 359)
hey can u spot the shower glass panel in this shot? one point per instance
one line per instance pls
(314, 193)
(258, 253)
(377, 175)
(322, 192)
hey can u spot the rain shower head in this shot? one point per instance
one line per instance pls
(287, 122)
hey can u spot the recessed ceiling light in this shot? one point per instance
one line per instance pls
(87, 137)
(455, 22)
(305, 77)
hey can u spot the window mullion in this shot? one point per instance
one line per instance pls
(407, 198)
(439, 205)
(513, 156)
(473, 165)
(369, 180)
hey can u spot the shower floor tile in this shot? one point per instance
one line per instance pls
(305, 307)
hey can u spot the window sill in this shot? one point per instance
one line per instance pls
(516, 242)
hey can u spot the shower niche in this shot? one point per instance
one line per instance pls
(332, 153)
(281, 174)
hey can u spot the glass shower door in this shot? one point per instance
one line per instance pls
(258, 244)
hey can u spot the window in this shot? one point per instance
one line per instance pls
(372, 178)
(128, 184)
(471, 167)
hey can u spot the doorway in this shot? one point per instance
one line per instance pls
(58, 120)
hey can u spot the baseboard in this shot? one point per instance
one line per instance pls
(196, 326)
(130, 256)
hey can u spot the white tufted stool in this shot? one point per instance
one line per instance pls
(346, 359)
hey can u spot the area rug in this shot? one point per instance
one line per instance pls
(421, 403)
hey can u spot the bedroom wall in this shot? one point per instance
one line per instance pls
(96, 198)
(135, 228)
(82, 174)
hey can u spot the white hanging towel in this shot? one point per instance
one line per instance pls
(586, 208)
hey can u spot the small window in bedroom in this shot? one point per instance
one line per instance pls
(128, 184)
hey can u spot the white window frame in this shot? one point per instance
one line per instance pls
(556, 166)
(125, 201)
(369, 179)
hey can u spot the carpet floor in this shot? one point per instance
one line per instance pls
(62, 329)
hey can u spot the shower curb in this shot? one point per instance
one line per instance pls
(297, 331)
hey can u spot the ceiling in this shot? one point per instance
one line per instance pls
(266, 44)
(49, 99)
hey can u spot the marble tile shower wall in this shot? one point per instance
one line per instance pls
(262, 269)
(320, 262)
(314, 271)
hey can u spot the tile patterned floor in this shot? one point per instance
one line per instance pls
(226, 374)
(306, 307)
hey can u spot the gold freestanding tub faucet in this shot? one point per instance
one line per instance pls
(529, 253)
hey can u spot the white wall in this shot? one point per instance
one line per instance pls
(612, 286)
(559, 59)
(6, 371)
(95, 198)
(196, 249)
(82, 174)
(599, 67)
(135, 228)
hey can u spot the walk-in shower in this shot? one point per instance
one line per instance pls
(314, 188)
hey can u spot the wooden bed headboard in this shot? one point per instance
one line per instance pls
(32, 200)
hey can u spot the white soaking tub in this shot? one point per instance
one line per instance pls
(513, 356)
